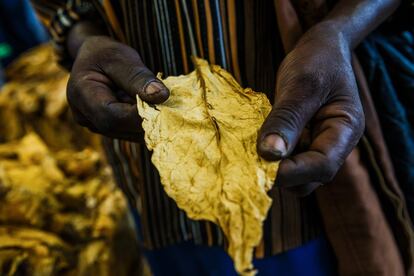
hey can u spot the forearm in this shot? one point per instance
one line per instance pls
(80, 32)
(353, 20)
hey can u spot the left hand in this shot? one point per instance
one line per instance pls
(316, 88)
(105, 79)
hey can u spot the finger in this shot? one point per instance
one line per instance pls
(80, 119)
(99, 106)
(304, 141)
(124, 97)
(336, 134)
(289, 24)
(122, 119)
(78, 116)
(124, 135)
(130, 74)
(294, 107)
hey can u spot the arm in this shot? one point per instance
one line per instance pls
(105, 79)
(106, 75)
(316, 88)
(355, 19)
(60, 16)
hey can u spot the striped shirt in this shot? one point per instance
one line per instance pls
(242, 37)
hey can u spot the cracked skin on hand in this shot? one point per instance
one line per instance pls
(203, 140)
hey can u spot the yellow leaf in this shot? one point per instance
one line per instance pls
(203, 140)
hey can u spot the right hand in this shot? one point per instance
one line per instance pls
(104, 81)
(317, 106)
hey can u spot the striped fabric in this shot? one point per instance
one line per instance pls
(59, 16)
(242, 37)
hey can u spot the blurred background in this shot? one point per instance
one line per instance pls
(60, 211)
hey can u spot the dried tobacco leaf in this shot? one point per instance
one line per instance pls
(61, 196)
(204, 145)
(34, 99)
(60, 211)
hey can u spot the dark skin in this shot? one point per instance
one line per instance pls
(317, 101)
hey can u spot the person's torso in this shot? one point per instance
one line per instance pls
(240, 36)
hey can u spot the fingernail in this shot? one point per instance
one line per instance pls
(275, 144)
(154, 87)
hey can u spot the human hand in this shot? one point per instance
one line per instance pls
(317, 107)
(104, 81)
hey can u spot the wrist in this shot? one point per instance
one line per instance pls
(355, 19)
(327, 35)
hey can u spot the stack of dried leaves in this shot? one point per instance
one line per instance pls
(204, 146)
(60, 211)
(34, 99)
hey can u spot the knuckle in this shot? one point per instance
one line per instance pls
(355, 120)
(310, 78)
(92, 41)
(351, 120)
(303, 78)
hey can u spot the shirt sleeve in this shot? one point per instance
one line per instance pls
(59, 16)
(46, 9)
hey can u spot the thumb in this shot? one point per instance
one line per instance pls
(130, 74)
(284, 125)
